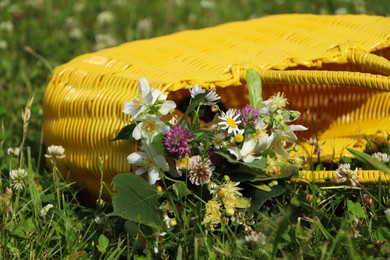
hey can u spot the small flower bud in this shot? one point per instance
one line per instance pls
(239, 138)
(229, 212)
(226, 178)
(215, 108)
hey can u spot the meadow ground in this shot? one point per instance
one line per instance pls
(38, 35)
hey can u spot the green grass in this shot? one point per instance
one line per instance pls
(36, 36)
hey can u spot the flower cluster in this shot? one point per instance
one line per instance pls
(238, 151)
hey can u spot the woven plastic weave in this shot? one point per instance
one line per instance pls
(334, 69)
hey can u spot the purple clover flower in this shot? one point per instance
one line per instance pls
(249, 115)
(176, 141)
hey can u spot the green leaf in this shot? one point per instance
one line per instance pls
(245, 174)
(261, 186)
(259, 197)
(194, 104)
(180, 189)
(157, 144)
(125, 133)
(136, 200)
(253, 82)
(356, 209)
(102, 244)
(243, 202)
(250, 130)
(370, 162)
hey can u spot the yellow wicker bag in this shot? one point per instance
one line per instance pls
(334, 69)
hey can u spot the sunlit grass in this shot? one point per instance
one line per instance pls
(308, 222)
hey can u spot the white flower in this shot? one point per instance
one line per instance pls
(211, 98)
(218, 140)
(345, 174)
(140, 103)
(55, 151)
(149, 128)
(254, 144)
(149, 100)
(148, 161)
(246, 152)
(280, 138)
(382, 157)
(17, 178)
(13, 151)
(230, 121)
(6, 26)
(45, 210)
(103, 41)
(104, 18)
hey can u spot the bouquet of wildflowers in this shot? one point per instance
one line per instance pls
(212, 173)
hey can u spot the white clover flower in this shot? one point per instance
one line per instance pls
(7, 26)
(200, 170)
(103, 41)
(3, 44)
(382, 157)
(145, 25)
(148, 161)
(104, 18)
(45, 210)
(15, 151)
(55, 151)
(230, 121)
(75, 34)
(17, 178)
(256, 237)
(149, 100)
(211, 98)
(149, 128)
(345, 174)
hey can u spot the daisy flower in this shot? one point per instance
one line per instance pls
(218, 140)
(230, 121)
(211, 98)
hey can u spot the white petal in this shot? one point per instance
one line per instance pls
(153, 176)
(297, 128)
(158, 95)
(137, 135)
(140, 171)
(128, 108)
(144, 87)
(167, 106)
(137, 158)
(161, 162)
(235, 151)
(247, 147)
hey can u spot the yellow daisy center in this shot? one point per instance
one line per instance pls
(218, 140)
(231, 122)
